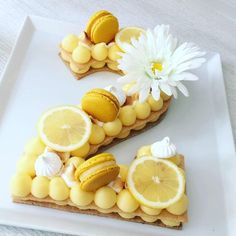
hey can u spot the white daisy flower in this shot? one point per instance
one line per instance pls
(156, 63)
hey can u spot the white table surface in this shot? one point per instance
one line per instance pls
(209, 23)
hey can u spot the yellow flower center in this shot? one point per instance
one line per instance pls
(156, 66)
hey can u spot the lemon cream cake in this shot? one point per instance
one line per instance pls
(61, 168)
(150, 190)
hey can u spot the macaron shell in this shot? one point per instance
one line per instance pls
(93, 19)
(104, 29)
(93, 161)
(100, 178)
(100, 106)
(107, 94)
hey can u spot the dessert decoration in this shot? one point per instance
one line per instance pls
(64, 128)
(101, 105)
(158, 63)
(151, 190)
(102, 27)
(118, 93)
(48, 164)
(125, 35)
(165, 149)
(161, 176)
(97, 171)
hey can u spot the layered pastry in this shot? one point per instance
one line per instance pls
(103, 118)
(88, 58)
(62, 167)
(96, 48)
(150, 190)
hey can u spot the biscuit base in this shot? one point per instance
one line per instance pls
(91, 70)
(32, 201)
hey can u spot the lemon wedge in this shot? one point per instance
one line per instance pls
(65, 129)
(155, 183)
(125, 35)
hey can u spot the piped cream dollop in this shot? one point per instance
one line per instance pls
(118, 93)
(163, 148)
(48, 164)
(68, 175)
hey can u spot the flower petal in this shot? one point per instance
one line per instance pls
(172, 83)
(184, 76)
(134, 89)
(183, 89)
(189, 65)
(128, 78)
(143, 94)
(156, 93)
(174, 92)
(166, 88)
(187, 56)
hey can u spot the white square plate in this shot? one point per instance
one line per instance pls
(35, 79)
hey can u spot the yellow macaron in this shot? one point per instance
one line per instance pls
(94, 18)
(102, 27)
(97, 171)
(100, 104)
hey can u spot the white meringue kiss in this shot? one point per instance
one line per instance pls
(118, 93)
(48, 164)
(163, 148)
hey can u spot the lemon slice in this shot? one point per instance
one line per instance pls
(65, 129)
(125, 35)
(155, 183)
